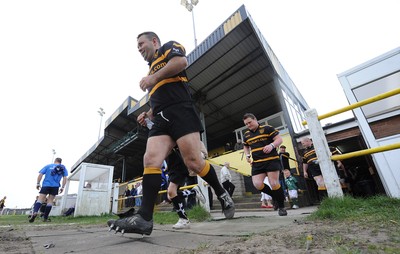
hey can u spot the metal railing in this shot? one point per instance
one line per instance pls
(321, 145)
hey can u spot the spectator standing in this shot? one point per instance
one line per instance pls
(238, 145)
(53, 174)
(291, 184)
(2, 204)
(226, 179)
(128, 199)
(284, 157)
(228, 147)
(139, 192)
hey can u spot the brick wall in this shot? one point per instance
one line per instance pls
(383, 128)
(386, 127)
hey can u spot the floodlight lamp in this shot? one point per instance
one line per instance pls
(184, 2)
(194, 2)
(189, 6)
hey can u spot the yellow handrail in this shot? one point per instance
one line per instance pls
(365, 152)
(358, 104)
(160, 192)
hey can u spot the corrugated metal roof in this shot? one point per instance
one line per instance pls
(232, 72)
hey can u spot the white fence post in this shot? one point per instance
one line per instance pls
(328, 170)
(115, 196)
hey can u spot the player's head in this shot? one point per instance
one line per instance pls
(250, 121)
(147, 44)
(286, 172)
(306, 142)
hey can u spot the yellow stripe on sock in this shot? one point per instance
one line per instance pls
(152, 171)
(263, 185)
(321, 188)
(276, 187)
(205, 170)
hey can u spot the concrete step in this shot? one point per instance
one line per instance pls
(245, 203)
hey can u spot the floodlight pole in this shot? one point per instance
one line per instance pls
(194, 30)
(189, 5)
(101, 113)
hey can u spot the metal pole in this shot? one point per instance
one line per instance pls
(366, 152)
(194, 29)
(359, 104)
(101, 113)
(101, 119)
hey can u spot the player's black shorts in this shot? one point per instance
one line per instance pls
(49, 190)
(267, 166)
(177, 171)
(176, 121)
(314, 170)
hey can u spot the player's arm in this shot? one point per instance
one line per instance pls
(173, 67)
(247, 153)
(277, 141)
(38, 180)
(64, 181)
(305, 167)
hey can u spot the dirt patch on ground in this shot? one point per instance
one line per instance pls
(14, 241)
(327, 237)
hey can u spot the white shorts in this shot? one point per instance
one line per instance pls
(293, 194)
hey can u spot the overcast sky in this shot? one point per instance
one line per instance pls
(62, 60)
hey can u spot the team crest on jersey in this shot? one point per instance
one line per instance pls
(261, 131)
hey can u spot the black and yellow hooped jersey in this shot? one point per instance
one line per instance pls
(264, 135)
(171, 90)
(310, 155)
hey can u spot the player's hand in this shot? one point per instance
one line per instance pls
(147, 82)
(248, 159)
(305, 175)
(141, 117)
(267, 149)
(38, 186)
(61, 190)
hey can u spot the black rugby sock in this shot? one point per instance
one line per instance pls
(208, 174)
(179, 207)
(151, 185)
(267, 190)
(47, 211)
(279, 196)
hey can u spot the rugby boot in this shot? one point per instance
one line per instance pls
(128, 213)
(228, 207)
(33, 217)
(132, 224)
(282, 212)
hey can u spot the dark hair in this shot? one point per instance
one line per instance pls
(59, 160)
(150, 36)
(282, 146)
(249, 115)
